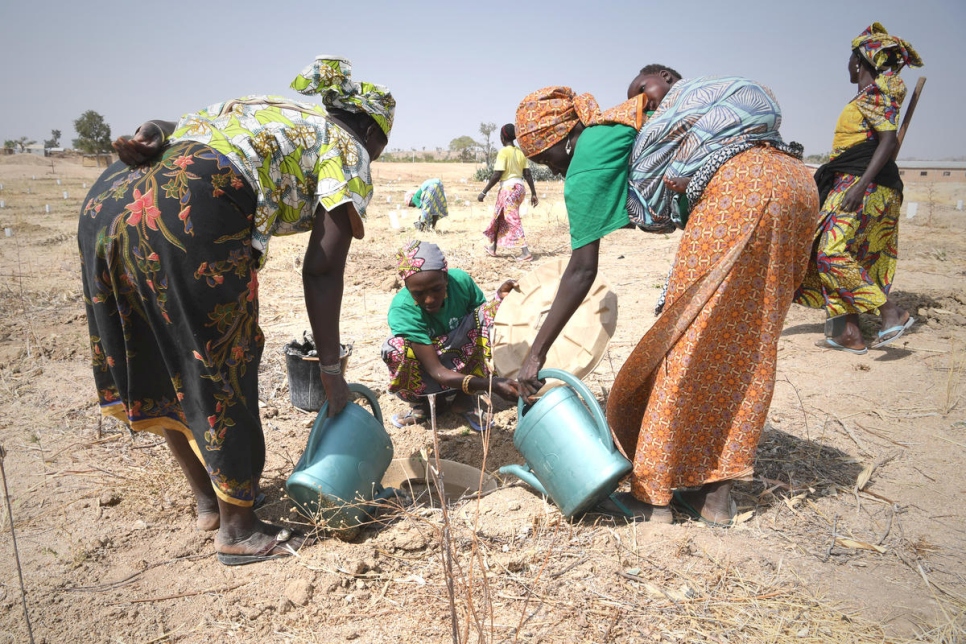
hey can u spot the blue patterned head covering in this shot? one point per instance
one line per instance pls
(328, 76)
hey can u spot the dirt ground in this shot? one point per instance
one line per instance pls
(853, 530)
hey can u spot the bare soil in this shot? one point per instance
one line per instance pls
(852, 531)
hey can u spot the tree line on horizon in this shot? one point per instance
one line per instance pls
(93, 136)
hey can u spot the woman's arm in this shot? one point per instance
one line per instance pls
(429, 359)
(528, 176)
(323, 270)
(575, 283)
(888, 141)
(494, 178)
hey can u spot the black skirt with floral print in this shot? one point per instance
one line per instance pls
(171, 291)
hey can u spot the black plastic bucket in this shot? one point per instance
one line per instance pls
(304, 377)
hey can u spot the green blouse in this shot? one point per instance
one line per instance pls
(595, 190)
(406, 319)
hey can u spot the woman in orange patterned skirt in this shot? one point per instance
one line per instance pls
(689, 404)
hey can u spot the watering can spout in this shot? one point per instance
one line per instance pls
(524, 475)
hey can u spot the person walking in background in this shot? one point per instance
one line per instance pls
(430, 198)
(510, 170)
(442, 326)
(171, 240)
(689, 404)
(856, 248)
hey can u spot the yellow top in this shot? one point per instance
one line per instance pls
(512, 162)
(875, 109)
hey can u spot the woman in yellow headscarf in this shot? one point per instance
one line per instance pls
(854, 258)
(171, 240)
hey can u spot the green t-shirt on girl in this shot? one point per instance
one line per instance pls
(406, 319)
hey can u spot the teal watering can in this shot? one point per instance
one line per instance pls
(339, 474)
(570, 454)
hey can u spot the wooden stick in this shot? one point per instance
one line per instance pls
(908, 117)
(16, 552)
(190, 593)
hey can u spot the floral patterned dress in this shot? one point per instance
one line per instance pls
(170, 253)
(853, 262)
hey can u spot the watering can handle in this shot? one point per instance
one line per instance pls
(366, 393)
(603, 429)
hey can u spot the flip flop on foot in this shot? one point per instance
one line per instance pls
(411, 417)
(473, 420)
(678, 501)
(893, 333)
(489, 251)
(626, 506)
(275, 549)
(525, 258)
(829, 343)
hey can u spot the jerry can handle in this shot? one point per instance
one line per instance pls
(603, 429)
(363, 391)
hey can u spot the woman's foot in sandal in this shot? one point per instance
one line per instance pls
(525, 258)
(243, 538)
(627, 506)
(711, 505)
(414, 416)
(489, 251)
(261, 547)
(477, 420)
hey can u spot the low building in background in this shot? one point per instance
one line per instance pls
(931, 171)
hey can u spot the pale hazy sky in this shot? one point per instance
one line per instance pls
(452, 65)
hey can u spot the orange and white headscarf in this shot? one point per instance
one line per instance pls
(884, 51)
(545, 117)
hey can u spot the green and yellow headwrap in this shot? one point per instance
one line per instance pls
(884, 51)
(329, 77)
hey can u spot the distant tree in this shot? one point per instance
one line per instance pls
(816, 158)
(489, 150)
(94, 135)
(23, 142)
(465, 147)
(54, 140)
(9, 144)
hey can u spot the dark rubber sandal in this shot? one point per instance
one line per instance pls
(678, 502)
(265, 554)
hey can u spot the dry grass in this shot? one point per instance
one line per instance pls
(111, 551)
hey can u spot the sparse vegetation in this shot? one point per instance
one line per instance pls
(93, 133)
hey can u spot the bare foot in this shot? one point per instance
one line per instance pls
(208, 517)
(208, 521)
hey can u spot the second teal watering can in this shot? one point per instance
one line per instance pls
(344, 461)
(570, 454)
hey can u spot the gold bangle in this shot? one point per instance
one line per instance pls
(466, 384)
